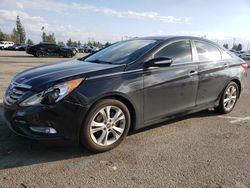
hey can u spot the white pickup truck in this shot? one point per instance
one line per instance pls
(5, 44)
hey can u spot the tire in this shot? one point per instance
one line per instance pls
(231, 98)
(115, 131)
(38, 54)
(67, 55)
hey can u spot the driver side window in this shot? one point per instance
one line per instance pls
(179, 51)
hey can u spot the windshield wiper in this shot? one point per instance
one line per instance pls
(99, 61)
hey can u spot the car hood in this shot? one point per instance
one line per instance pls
(44, 76)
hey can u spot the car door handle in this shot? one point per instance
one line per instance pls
(192, 73)
(225, 65)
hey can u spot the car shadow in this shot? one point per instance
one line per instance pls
(205, 113)
(16, 151)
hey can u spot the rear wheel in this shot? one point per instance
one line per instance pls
(229, 98)
(106, 125)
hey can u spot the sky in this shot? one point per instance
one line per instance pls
(223, 21)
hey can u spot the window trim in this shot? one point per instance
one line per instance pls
(197, 55)
(175, 41)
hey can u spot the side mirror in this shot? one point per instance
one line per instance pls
(159, 62)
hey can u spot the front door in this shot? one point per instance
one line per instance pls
(169, 90)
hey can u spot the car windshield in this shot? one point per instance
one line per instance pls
(1, 42)
(122, 52)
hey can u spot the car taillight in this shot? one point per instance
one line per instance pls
(244, 66)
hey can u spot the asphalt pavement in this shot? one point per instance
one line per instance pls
(205, 149)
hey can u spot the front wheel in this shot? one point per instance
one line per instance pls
(228, 98)
(38, 54)
(67, 55)
(106, 125)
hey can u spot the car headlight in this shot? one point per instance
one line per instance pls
(53, 94)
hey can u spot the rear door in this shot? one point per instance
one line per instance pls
(213, 72)
(168, 90)
(53, 49)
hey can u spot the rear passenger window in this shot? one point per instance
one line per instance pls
(207, 52)
(179, 51)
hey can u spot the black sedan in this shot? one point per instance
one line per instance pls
(47, 49)
(98, 99)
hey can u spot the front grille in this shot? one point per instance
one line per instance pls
(15, 92)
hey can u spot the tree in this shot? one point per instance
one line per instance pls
(79, 43)
(61, 43)
(44, 36)
(235, 46)
(239, 47)
(3, 35)
(19, 31)
(30, 42)
(107, 44)
(14, 36)
(74, 44)
(225, 46)
(50, 38)
(69, 42)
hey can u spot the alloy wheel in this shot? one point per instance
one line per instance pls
(230, 97)
(107, 125)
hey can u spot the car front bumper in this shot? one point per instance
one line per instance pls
(66, 118)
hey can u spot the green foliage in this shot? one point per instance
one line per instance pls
(19, 31)
(234, 47)
(50, 38)
(29, 41)
(225, 46)
(69, 42)
(237, 47)
(44, 36)
(18, 34)
(107, 44)
(60, 43)
(2, 35)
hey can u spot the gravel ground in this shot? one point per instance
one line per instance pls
(200, 150)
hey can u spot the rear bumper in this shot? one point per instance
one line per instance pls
(66, 118)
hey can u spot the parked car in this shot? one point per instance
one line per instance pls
(88, 49)
(20, 47)
(91, 49)
(82, 49)
(245, 55)
(5, 44)
(96, 100)
(75, 49)
(95, 49)
(47, 49)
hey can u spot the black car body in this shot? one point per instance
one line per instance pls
(171, 76)
(47, 49)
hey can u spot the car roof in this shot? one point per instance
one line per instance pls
(170, 37)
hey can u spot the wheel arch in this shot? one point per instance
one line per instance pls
(237, 81)
(120, 97)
